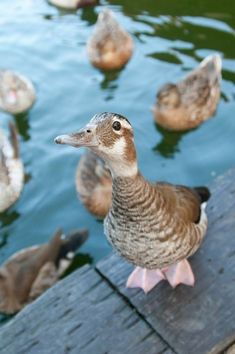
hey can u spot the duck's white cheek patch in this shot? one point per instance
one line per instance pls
(118, 148)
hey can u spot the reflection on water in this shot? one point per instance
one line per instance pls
(48, 45)
(169, 144)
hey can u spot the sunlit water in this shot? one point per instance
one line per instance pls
(48, 45)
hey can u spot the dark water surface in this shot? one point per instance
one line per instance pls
(48, 45)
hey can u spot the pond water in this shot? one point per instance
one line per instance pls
(48, 45)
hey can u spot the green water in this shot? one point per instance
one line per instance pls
(48, 45)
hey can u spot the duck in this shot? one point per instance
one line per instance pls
(193, 100)
(11, 168)
(155, 226)
(72, 4)
(17, 93)
(110, 47)
(31, 271)
(94, 184)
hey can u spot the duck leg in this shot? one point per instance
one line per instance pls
(145, 279)
(180, 273)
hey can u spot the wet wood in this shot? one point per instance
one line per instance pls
(199, 320)
(81, 314)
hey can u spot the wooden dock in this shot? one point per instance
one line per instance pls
(91, 311)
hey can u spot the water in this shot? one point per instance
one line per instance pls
(48, 45)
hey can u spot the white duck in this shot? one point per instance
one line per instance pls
(11, 169)
(17, 93)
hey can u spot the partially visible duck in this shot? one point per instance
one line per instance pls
(31, 271)
(154, 226)
(94, 184)
(191, 101)
(11, 169)
(110, 46)
(17, 93)
(72, 4)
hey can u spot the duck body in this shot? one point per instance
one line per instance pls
(72, 4)
(94, 184)
(193, 100)
(17, 93)
(110, 47)
(11, 169)
(154, 226)
(31, 271)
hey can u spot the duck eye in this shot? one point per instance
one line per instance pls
(116, 125)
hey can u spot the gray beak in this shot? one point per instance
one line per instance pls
(84, 137)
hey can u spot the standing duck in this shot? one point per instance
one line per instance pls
(110, 46)
(17, 93)
(72, 4)
(11, 169)
(94, 184)
(191, 101)
(154, 226)
(31, 271)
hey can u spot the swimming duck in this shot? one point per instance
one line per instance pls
(154, 226)
(17, 93)
(110, 46)
(94, 184)
(72, 4)
(11, 169)
(191, 101)
(31, 271)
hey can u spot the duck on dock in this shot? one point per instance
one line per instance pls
(110, 46)
(94, 184)
(17, 93)
(31, 271)
(72, 4)
(11, 169)
(154, 226)
(191, 101)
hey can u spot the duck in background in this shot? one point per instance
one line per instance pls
(17, 93)
(11, 169)
(110, 47)
(154, 226)
(72, 4)
(191, 101)
(94, 184)
(31, 271)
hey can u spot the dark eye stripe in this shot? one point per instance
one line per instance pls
(116, 125)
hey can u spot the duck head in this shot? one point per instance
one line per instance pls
(169, 96)
(111, 137)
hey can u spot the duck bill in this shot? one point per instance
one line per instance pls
(85, 137)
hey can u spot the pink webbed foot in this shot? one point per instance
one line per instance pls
(180, 273)
(145, 279)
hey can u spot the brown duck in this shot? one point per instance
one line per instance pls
(154, 226)
(31, 271)
(110, 47)
(94, 184)
(191, 101)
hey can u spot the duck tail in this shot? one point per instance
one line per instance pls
(213, 65)
(14, 139)
(203, 193)
(69, 246)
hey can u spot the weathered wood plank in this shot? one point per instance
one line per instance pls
(199, 320)
(81, 314)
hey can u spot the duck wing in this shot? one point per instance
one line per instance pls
(184, 202)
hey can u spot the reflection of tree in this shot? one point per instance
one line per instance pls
(109, 82)
(22, 122)
(168, 146)
(89, 15)
(7, 217)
